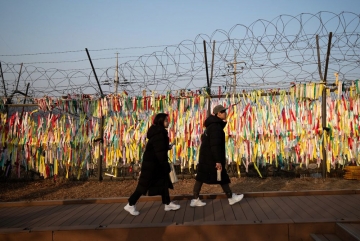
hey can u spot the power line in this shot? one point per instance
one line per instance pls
(94, 50)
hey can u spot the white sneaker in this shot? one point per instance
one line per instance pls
(172, 206)
(197, 203)
(235, 198)
(131, 209)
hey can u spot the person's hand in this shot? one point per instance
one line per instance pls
(218, 166)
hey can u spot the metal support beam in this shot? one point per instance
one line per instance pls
(323, 109)
(92, 66)
(3, 80)
(319, 60)
(101, 137)
(17, 83)
(212, 63)
(208, 90)
(22, 112)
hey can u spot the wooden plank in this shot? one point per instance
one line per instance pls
(47, 216)
(119, 218)
(103, 216)
(189, 213)
(218, 210)
(228, 211)
(169, 215)
(311, 202)
(82, 215)
(69, 215)
(354, 229)
(257, 209)
(17, 221)
(319, 237)
(75, 215)
(118, 208)
(276, 208)
(316, 207)
(179, 215)
(330, 211)
(12, 216)
(296, 208)
(5, 211)
(309, 207)
(91, 212)
(332, 237)
(209, 211)
(266, 208)
(238, 211)
(152, 212)
(249, 213)
(302, 208)
(350, 201)
(11, 211)
(287, 209)
(68, 209)
(199, 214)
(332, 202)
(346, 201)
(159, 216)
(144, 210)
(357, 196)
(15, 210)
(95, 215)
(129, 218)
(341, 207)
(24, 217)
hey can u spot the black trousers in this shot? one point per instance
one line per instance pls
(198, 185)
(165, 196)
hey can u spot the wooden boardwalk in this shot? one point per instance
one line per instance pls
(269, 214)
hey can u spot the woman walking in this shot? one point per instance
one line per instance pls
(154, 178)
(212, 158)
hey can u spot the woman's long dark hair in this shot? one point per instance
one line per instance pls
(159, 119)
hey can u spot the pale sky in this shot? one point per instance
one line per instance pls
(42, 26)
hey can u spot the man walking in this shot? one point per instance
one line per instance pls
(211, 169)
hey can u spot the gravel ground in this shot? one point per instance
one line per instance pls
(66, 189)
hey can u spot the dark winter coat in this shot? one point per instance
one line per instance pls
(212, 151)
(154, 178)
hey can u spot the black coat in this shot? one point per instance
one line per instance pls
(212, 151)
(155, 168)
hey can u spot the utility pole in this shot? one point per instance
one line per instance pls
(234, 87)
(234, 65)
(116, 74)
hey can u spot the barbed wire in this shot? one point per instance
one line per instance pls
(269, 54)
